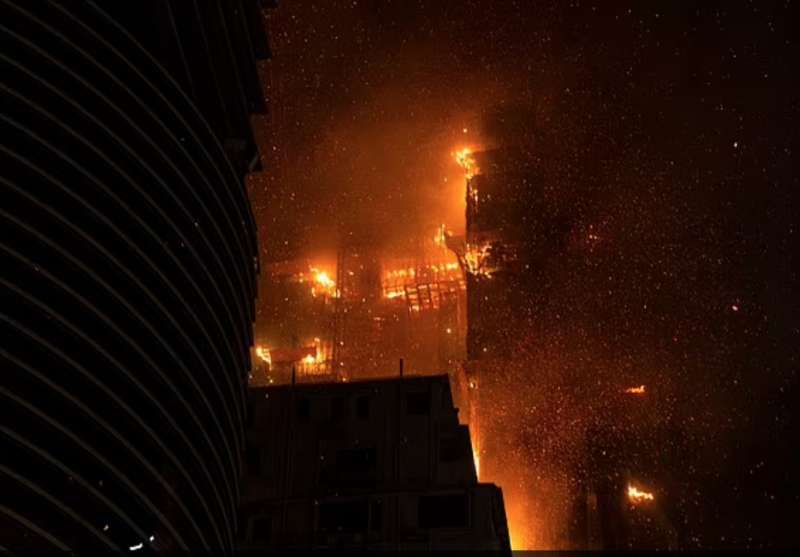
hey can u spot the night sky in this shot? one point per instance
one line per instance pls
(666, 133)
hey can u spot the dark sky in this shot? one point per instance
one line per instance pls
(667, 129)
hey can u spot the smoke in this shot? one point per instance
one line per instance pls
(650, 225)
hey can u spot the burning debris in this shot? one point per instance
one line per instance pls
(636, 495)
(640, 390)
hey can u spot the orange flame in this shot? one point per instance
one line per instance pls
(323, 284)
(636, 495)
(640, 390)
(264, 354)
(441, 236)
(477, 259)
(467, 161)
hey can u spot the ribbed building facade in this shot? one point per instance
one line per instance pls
(128, 264)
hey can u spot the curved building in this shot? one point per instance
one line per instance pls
(128, 262)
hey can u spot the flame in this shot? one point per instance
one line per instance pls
(635, 495)
(318, 362)
(441, 236)
(323, 283)
(264, 354)
(323, 279)
(476, 258)
(395, 282)
(640, 390)
(467, 162)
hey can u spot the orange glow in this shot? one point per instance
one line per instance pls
(467, 162)
(476, 451)
(441, 236)
(323, 285)
(424, 284)
(264, 354)
(640, 390)
(318, 362)
(635, 495)
(476, 259)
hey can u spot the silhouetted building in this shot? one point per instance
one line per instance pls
(380, 464)
(128, 261)
(507, 226)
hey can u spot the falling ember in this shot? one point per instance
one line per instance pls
(467, 161)
(640, 390)
(635, 495)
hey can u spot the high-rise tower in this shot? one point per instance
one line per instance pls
(128, 261)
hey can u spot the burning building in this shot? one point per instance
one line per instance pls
(358, 316)
(380, 464)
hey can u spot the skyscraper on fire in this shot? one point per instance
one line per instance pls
(128, 261)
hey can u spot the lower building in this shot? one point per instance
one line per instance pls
(381, 464)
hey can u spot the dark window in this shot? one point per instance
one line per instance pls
(253, 460)
(303, 410)
(352, 468)
(261, 529)
(348, 516)
(337, 409)
(362, 407)
(418, 404)
(376, 515)
(442, 511)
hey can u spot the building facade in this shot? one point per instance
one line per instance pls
(381, 464)
(128, 262)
